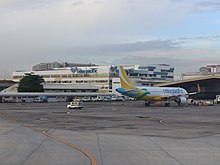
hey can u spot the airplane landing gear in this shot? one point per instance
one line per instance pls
(147, 103)
(167, 104)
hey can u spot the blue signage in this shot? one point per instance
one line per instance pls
(173, 91)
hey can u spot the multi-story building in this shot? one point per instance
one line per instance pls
(209, 70)
(213, 68)
(93, 76)
(150, 74)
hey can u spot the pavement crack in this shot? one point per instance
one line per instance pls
(34, 151)
(165, 151)
(98, 139)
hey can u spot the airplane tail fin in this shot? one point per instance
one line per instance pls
(125, 82)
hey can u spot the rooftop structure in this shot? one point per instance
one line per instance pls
(46, 66)
(51, 66)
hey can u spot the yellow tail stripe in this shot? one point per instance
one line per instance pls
(125, 82)
(124, 75)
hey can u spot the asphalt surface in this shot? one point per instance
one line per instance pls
(109, 133)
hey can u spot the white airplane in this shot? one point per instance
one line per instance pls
(152, 94)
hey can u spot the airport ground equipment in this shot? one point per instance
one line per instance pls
(75, 104)
(217, 100)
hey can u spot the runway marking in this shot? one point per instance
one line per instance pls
(88, 154)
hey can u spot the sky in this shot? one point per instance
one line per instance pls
(182, 33)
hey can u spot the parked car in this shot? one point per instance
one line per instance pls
(107, 99)
(86, 99)
(40, 99)
(117, 98)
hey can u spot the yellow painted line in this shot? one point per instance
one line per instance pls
(44, 132)
(88, 154)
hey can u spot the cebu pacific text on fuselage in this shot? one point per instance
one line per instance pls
(173, 91)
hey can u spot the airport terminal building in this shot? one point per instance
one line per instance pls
(75, 79)
(79, 78)
(93, 78)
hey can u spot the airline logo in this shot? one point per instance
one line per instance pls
(87, 71)
(173, 91)
(143, 92)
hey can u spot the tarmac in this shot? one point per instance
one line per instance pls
(109, 133)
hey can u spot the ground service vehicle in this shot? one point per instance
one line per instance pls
(217, 100)
(75, 104)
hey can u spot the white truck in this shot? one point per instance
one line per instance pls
(75, 104)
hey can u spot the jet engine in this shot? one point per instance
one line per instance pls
(181, 100)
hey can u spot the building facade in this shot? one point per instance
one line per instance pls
(213, 68)
(93, 76)
(149, 75)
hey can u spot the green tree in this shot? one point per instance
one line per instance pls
(31, 83)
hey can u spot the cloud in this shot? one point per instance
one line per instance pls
(113, 21)
(25, 5)
(185, 54)
(112, 49)
(200, 42)
(207, 5)
(100, 31)
(199, 5)
(78, 3)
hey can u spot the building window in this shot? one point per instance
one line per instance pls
(55, 76)
(150, 69)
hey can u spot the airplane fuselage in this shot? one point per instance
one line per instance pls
(153, 93)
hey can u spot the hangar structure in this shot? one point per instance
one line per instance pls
(5, 84)
(209, 86)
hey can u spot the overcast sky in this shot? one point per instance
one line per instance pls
(182, 33)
